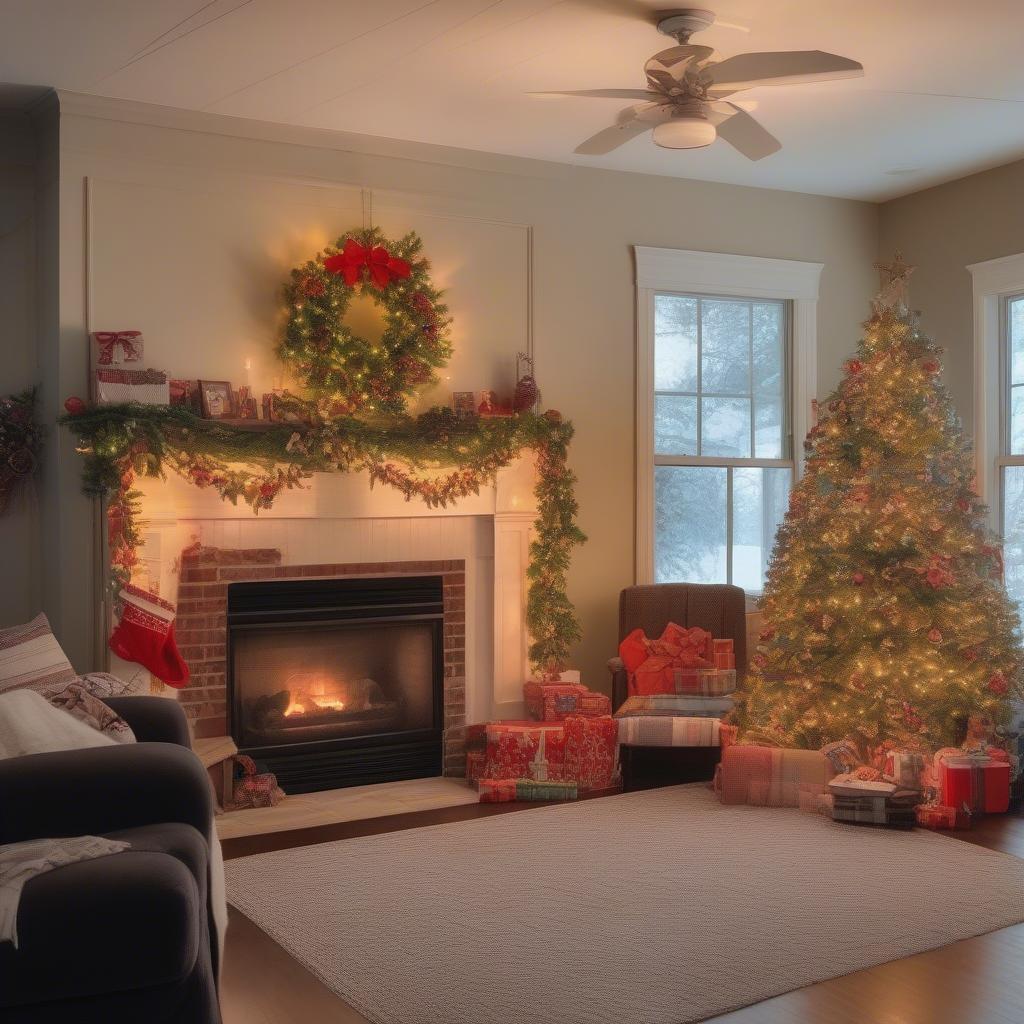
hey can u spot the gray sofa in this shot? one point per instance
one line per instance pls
(121, 938)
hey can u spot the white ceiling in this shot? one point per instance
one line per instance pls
(457, 73)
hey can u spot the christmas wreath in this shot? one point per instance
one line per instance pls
(349, 371)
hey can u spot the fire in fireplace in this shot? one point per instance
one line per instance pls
(336, 682)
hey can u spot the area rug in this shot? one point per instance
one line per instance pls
(661, 907)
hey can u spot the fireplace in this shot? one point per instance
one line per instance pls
(338, 682)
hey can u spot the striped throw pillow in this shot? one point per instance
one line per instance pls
(31, 658)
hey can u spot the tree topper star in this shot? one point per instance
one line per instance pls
(892, 292)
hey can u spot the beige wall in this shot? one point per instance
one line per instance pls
(584, 223)
(941, 231)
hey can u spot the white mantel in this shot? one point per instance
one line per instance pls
(339, 518)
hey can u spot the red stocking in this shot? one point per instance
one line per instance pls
(146, 634)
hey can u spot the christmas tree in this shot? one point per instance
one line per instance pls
(885, 615)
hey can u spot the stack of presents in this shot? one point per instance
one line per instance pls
(680, 686)
(567, 747)
(891, 787)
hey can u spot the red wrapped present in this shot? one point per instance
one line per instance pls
(651, 664)
(727, 734)
(476, 736)
(513, 750)
(553, 702)
(936, 816)
(722, 647)
(592, 752)
(497, 791)
(976, 781)
(476, 765)
(770, 776)
(724, 660)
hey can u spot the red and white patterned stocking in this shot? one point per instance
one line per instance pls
(145, 634)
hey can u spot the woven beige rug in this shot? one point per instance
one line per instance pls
(661, 907)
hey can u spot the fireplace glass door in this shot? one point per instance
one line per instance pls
(324, 681)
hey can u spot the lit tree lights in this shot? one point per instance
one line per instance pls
(885, 615)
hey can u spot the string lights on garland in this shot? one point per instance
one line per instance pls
(435, 458)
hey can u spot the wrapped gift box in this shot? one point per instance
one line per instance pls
(553, 702)
(936, 816)
(592, 752)
(476, 765)
(668, 731)
(722, 646)
(497, 791)
(669, 704)
(512, 748)
(704, 682)
(725, 661)
(873, 810)
(147, 387)
(904, 767)
(980, 783)
(528, 789)
(769, 776)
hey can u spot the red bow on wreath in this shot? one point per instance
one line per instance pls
(355, 260)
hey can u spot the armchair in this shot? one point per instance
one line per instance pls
(717, 607)
(127, 937)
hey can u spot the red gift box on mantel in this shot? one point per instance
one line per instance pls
(513, 746)
(553, 702)
(975, 781)
(592, 752)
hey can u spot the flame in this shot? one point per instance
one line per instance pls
(318, 702)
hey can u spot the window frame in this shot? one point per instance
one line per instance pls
(1004, 455)
(726, 276)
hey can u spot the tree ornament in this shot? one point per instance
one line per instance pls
(858, 578)
(74, 406)
(997, 684)
(934, 636)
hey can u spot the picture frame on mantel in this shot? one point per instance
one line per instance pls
(215, 399)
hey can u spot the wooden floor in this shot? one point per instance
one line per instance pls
(977, 981)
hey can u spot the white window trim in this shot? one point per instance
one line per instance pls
(992, 281)
(715, 273)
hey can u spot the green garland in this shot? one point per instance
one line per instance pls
(437, 458)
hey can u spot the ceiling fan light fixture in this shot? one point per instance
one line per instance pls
(691, 132)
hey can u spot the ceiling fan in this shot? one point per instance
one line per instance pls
(685, 102)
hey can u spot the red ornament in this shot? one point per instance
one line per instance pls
(934, 636)
(997, 684)
(855, 366)
(74, 406)
(930, 366)
(858, 578)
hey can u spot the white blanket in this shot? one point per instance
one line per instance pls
(30, 724)
(21, 862)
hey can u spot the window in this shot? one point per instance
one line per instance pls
(726, 370)
(722, 446)
(1011, 459)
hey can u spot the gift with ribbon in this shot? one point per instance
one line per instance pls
(974, 779)
(668, 664)
(116, 347)
(358, 262)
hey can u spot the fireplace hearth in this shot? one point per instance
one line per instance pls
(338, 682)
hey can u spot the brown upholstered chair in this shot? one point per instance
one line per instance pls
(717, 607)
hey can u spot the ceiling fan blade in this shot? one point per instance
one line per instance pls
(790, 67)
(611, 138)
(604, 94)
(745, 134)
(686, 55)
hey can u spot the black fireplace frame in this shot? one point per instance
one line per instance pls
(306, 767)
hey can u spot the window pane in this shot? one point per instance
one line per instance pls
(675, 343)
(1013, 532)
(759, 499)
(725, 427)
(675, 425)
(1016, 325)
(768, 427)
(1017, 421)
(725, 346)
(690, 524)
(769, 361)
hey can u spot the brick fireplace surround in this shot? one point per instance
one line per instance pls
(201, 629)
